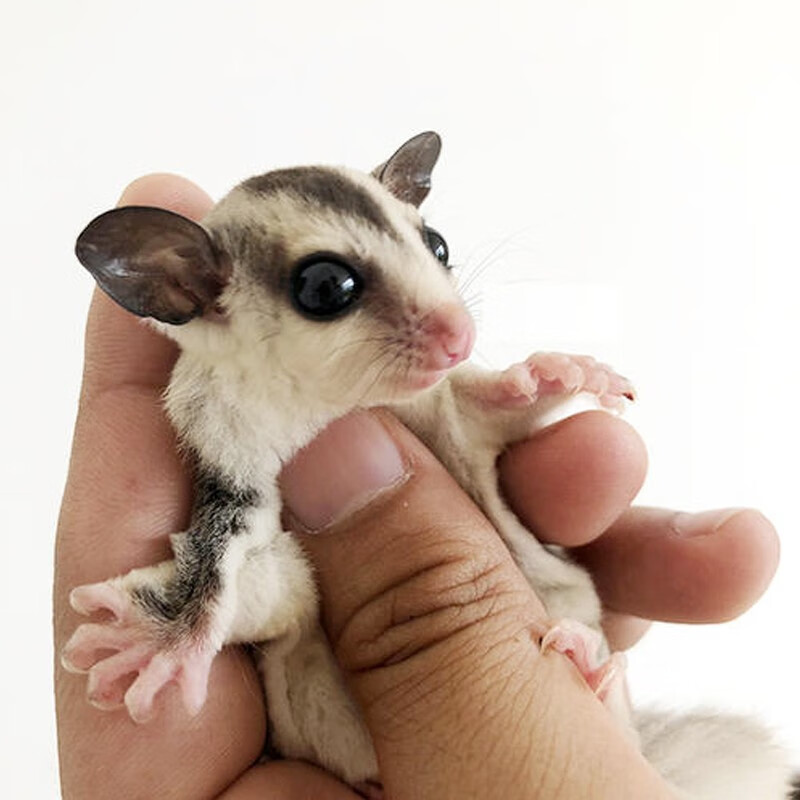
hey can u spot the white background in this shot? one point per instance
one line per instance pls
(629, 171)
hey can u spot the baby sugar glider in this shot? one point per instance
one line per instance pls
(307, 293)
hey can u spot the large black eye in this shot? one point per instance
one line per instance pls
(437, 245)
(323, 288)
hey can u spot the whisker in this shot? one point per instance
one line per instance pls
(359, 343)
(378, 376)
(269, 335)
(501, 249)
(483, 357)
(473, 273)
(474, 308)
(387, 344)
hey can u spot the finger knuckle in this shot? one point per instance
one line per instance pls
(446, 602)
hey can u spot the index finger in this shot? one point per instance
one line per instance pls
(125, 465)
(127, 489)
(572, 485)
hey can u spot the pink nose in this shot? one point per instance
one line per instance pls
(450, 334)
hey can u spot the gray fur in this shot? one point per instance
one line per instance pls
(325, 188)
(181, 604)
(706, 754)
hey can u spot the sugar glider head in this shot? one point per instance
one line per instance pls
(327, 278)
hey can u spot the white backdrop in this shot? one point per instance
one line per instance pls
(628, 170)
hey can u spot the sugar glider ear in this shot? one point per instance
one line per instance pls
(407, 174)
(154, 262)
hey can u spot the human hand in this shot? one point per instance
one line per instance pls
(127, 489)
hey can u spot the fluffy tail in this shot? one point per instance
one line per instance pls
(713, 756)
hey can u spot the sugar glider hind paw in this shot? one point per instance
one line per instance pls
(582, 646)
(129, 659)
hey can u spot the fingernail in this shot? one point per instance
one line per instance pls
(341, 471)
(703, 523)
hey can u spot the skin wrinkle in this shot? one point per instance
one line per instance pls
(497, 695)
(514, 716)
(551, 745)
(405, 717)
(446, 657)
(395, 709)
(452, 663)
(430, 549)
(525, 712)
(451, 574)
(448, 619)
(500, 704)
(369, 635)
(560, 775)
(488, 674)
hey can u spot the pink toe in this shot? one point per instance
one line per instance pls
(83, 649)
(582, 645)
(558, 370)
(609, 675)
(141, 695)
(99, 597)
(611, 402)
(193, 680)
(576, 641)
(105, 687)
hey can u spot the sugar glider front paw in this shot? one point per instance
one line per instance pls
(132, 643)
(547, 374)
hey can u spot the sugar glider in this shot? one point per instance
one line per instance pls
(307, 293)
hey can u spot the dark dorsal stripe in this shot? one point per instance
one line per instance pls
(325, 188)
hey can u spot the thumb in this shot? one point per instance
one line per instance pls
(419, 597)
(435, 629)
